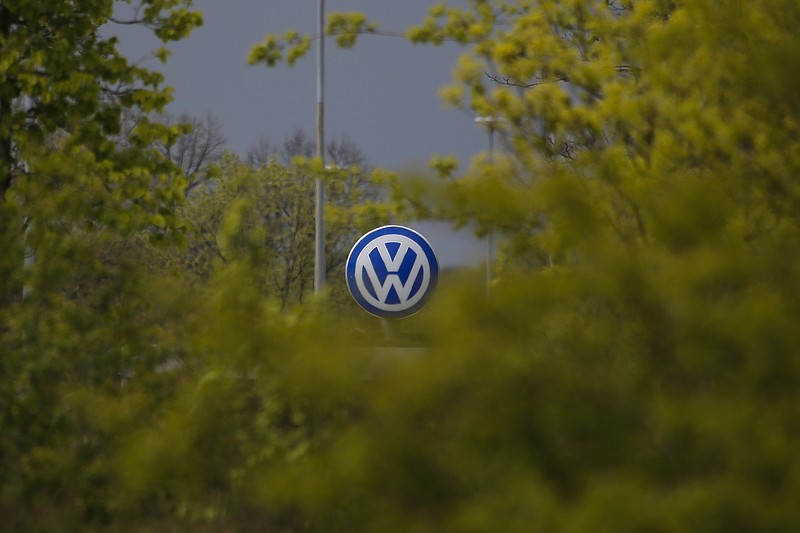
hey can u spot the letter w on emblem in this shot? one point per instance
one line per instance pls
(393, 266)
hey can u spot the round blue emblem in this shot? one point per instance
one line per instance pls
(392, 271)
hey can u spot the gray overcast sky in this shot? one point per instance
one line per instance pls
(382, 94)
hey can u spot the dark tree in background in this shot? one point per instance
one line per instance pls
(339, 151)
(198, 149)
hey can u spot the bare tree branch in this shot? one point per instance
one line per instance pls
(196, 150)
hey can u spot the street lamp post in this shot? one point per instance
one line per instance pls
(319, 205)
(490, 123)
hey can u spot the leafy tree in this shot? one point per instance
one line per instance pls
(64, 89)
(265, 216)
(635, 368)
(75, 320)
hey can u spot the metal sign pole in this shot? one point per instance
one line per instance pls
(319, 207)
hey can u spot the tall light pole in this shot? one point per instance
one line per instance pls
(490, 123)
(319, 205)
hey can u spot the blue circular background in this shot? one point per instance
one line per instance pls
(363, 242)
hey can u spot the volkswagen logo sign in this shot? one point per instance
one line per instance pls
(392, 271)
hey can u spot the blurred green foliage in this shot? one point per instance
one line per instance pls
(634, 369)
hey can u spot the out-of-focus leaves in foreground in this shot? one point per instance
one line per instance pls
(634, 367)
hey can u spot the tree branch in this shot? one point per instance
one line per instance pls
(506, 80)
